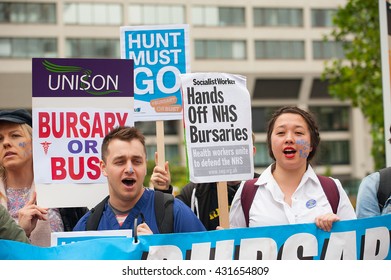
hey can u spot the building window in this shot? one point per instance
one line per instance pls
(327, 50)
(261, 117)
(171, 153)
(320, 89)
(322, 17)
(92, 14)
(27, 12)
(151, 149)
(278, 17)
(220, 49)
(261, 157)
(277, 88)
(279, 49)
(331, 118)
(156, 14)
(218, 16)
(333, 153)
(28, 47)
(149, 127)
(93, 48)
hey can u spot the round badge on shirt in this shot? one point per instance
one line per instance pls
(310, 203)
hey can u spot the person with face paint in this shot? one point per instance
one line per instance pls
(130, 205)
(289, 191)
(17, 191)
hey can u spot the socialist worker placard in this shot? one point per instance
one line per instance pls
(218, 129)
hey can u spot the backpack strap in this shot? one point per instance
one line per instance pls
(164, 212)
(96, 214)
(249, 190)
(70, 216)
(384, 191)
(331, 191)
(247, 197)
(194, 202)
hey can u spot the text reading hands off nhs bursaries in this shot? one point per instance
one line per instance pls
(200, 102)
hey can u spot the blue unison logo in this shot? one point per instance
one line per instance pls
(311, 203)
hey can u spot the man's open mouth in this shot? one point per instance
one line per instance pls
(129, 182)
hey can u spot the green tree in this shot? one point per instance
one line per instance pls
(357, 77)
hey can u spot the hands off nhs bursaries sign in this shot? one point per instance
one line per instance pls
(217, 118)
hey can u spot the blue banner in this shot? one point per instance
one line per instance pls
(353, 240)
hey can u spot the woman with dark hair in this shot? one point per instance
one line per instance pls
(289, 191)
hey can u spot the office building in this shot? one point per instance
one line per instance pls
(278, 45)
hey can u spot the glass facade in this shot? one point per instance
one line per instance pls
(332, 118)
(220, 49)
(93, 48)
(278, 17)
(171, 153)
(93, 14)
(327, 50)
(260, 118)
(251, 34)
(149, 128)
(279, 49)
(156, 14)
(218, 16)
(24, 12)
(261, 157)
(322, 17)
(333, 153)
(28, 47)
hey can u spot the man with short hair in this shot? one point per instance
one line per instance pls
(124, 163)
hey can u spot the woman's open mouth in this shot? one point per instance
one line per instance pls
(289, 152)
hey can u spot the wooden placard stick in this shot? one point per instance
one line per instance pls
(160, 143)
(222, 197)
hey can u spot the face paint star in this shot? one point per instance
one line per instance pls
(45, 146)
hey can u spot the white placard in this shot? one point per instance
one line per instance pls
(217, 119)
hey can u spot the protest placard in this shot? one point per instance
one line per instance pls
(218, 129)
(160, 54)
(76, 102)
(68, 237)
(385, 39)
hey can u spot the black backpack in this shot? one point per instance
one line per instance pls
(164, 219)
(384, 191)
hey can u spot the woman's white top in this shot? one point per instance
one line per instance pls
(269, 208)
